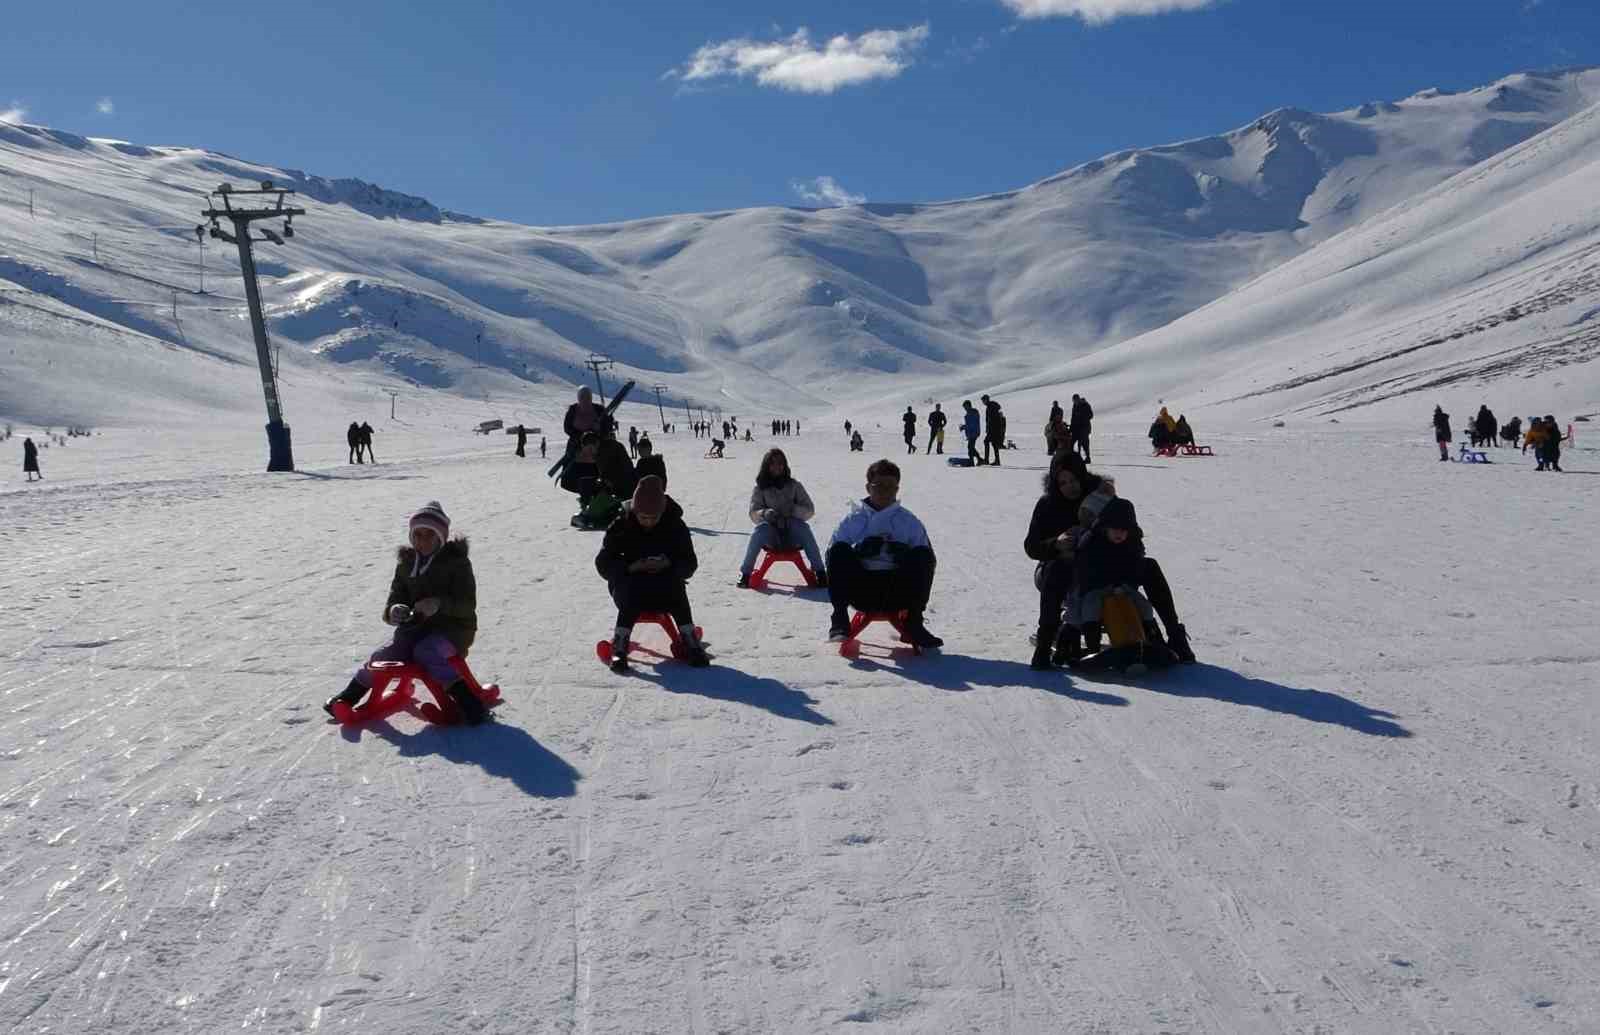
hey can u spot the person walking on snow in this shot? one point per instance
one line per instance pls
(936, 423)
(352, 436)
(433, 606)
(542, 445)
(522, 440)
(781, 510)
(994, 429)
(30, 460)
(1081, 420)
(1441, 431)
(366, 441)
(969, 428)
(910, 420)
(880, 559)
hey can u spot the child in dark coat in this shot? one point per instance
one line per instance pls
(1110, 560)
(647, 559)
(433, 606)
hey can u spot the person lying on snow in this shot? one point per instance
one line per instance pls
(433, 606)
(880, 559)
(647, 559)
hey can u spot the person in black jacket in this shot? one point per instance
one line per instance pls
(647, 559)
(1082, 421)
(366, 441)
(936, 423)
(1441, 431)
(30, 460)
(1111, 558)
(909, 419)
(994, 430)
(1072, 501)
(650, 462)
(352, 437)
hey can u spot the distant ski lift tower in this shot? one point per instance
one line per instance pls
(658, 390)
(597, 363)
(281, 452)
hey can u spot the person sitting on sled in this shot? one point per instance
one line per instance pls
(433, 606)
(717, 446)
(647, 560)
(1110, 560)
(650, 462)
(780, 508)
(880, 559)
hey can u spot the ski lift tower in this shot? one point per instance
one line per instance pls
(597, 363)
(658, 390)
(281, 452)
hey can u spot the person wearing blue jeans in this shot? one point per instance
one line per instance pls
(780, 508)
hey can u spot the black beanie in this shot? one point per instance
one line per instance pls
(1118, 513)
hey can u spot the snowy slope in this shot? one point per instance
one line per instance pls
(1374, 807)
(756, 310)
(1485, 286)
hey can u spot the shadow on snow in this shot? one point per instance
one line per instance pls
(1229, 687)
(961, 672)
(499, 749)
(729, 684)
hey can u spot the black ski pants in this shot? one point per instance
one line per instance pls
(638, 592)
(1080, 444)
(1055, 580)
(906, 588)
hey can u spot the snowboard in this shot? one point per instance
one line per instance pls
(611, 408)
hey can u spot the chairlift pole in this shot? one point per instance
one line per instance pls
(597, 363)
(280, 449)
(658, 390)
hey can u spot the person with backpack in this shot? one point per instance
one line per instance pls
(433, 607)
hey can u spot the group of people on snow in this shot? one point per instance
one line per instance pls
(1166, 433)
(1069, 429)
(1542, 434)
(359, 438)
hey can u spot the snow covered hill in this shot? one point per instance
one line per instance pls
(765, 309)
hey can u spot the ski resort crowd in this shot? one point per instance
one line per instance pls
(1542, 434)
(1093, 576)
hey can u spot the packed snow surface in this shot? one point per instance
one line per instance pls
(1372, 807)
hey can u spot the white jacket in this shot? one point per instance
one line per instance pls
(893, 524)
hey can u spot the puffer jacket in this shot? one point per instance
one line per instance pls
(446, 575)
(790, 500)
(628, 541)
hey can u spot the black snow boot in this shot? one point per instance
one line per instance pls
(1068, 646)
(1178, 640)
(472, 710)
(1044, 649)
(1091, 638)
(350, 695)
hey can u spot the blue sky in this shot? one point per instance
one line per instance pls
(554, 113)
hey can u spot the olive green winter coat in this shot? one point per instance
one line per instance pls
(448, 576)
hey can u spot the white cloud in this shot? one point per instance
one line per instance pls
(14, 114)
(798, 64)
(826, 191)
(1098, 12)
(105, 106)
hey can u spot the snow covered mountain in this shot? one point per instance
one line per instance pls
(784, 308)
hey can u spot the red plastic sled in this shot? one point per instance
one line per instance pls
(851, 647)
(758, 578)
(602, 650)
(393, 690)
(1165, 451)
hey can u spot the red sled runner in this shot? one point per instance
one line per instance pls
(851, 646)
(393, 690)
(602, 650)
(758, 578)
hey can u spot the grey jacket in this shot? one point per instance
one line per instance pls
(790, 501)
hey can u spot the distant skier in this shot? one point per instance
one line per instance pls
(366, 441)
(542, 446)
(352, 435)
(909, 418)
(1441, 432)
(936, 423)
(1081, 420)
(30, 460)
(970, 428)
(522, 440)
(846, 429)
(433, 606)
